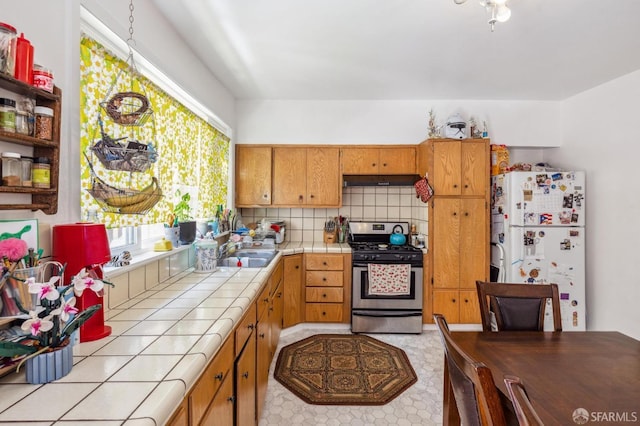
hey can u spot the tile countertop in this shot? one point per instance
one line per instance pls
(160, 343)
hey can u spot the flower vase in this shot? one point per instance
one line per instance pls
(49, 366)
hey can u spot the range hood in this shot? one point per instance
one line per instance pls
(380, 180)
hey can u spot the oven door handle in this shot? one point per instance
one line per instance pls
(386, 314)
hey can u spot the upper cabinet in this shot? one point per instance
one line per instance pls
(459, 167)
(253, 175)
(45, 199)
(306, 176)
(288, 176)
(391, 160)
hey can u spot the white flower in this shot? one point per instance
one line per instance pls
(66, 309)
(35, 325)
(83, 281)
(44, 290)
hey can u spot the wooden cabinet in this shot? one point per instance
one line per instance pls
(210, 382)
(246, 384)
(180, 416)
(221, 410)
(253, 175)
(306, 176)
(269, 305)
(45, 199)
(459, 167)
(327, 288)
(388, 160)
(459, 247)
(293, 291)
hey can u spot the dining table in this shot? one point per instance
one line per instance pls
(570, 377)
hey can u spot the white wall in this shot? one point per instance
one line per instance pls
(513, 123)
(600, 136)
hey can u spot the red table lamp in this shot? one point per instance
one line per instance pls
(84, 245)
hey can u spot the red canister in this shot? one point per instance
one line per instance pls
(24, 60)
(42, 78)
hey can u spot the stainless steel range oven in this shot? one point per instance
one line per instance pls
(387, 285)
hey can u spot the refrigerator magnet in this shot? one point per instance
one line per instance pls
(565, 244)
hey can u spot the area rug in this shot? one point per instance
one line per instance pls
(344, 369)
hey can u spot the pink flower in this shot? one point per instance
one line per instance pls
(44, 290)
(67, 309)
(83, 281)
(35, 325)
(13, 248)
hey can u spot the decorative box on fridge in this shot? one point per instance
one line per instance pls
(84, 245)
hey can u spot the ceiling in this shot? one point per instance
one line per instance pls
(409, 49)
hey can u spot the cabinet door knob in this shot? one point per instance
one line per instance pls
(324, 279)
(324, 313)
(219, 376)
(265, 300)
(262, 335)
(297, 266)
(373, 164)
(311, 196)
(324, 295)
(455, 213)
(246, 375)
(300, 198)
(250, 326)
(453, 300)
(384, 164)
(231, 399)
(265, 196)
(466, 213)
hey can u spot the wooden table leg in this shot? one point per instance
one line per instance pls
(450, 415)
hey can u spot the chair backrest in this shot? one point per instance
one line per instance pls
(473, 387)
(517, 307)
(525, 413)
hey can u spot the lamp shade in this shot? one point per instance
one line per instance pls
(80, 245)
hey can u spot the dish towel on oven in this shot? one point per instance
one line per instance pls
(389, 279)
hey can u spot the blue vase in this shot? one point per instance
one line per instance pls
(49, 366)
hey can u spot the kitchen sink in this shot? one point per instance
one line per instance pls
(249, 258)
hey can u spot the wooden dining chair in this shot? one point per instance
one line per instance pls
(525, 413)
(517, 307)
(474, 390)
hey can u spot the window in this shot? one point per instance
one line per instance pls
(193, 155)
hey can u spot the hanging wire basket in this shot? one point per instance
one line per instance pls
(128, 108)
(128, 156)
(112, 199)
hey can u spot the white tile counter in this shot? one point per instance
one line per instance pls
(160, 342)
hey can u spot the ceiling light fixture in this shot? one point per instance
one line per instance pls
(497, 9)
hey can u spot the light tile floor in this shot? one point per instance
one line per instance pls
(421, 404)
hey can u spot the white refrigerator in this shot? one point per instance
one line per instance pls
(538, 236)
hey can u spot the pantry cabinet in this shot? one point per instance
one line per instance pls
(253, 175)
(44, 199)
(459, 247)
(306, 176)
(388, 160)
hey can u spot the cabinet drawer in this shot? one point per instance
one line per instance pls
(216, 372)
(324, 278)
(262, 302)
(324, 294)
(323, 312)
(245, 328)
(324, 262)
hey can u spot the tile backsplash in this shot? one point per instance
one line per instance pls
(393, 203)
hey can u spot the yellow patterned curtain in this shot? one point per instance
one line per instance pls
(193, 156)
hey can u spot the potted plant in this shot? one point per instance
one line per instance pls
(182, 211)
(46, 348)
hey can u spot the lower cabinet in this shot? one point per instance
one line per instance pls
(293, 290)
(246, 384)
(458, 306)
(222, 406)
(327, 288)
